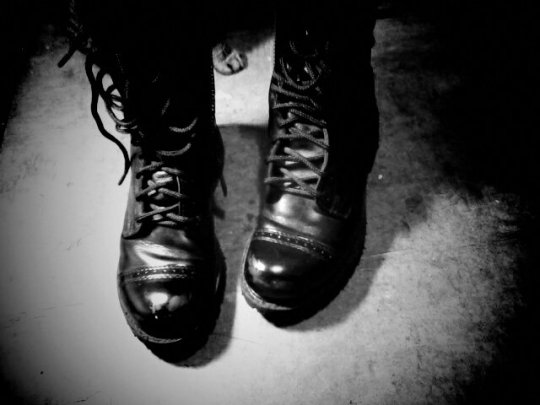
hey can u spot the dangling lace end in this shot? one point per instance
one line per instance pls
(74, 44)
(95, 82)
(127, 165)
(67, 56)
(223, 185)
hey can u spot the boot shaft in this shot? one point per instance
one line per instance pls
(323, 59)
(158, 57)
(151, 65)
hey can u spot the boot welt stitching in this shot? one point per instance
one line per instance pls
(294, 242)
(156, 273)
(134, 279)
(156, 269)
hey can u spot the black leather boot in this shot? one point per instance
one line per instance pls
(324, 132)
(171, 274)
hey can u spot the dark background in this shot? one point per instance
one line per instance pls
(492, 44)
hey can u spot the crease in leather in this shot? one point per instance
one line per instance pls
(298, 215)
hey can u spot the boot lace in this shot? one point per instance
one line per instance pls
(162, 195)
(300, 93)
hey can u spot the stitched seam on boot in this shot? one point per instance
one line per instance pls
(293, 241)
(157, 273)
(155, 269)
(134, 279)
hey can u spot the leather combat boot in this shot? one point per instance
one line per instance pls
(324, 133)
(171, 274)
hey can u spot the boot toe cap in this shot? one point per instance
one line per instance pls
(281, 273)
(163, 308)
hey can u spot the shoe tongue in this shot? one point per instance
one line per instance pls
(166, 140)
(173, 131)
(164, 108)
(303, 50)
(162, 178)
(308, 150)
(299, 72)
(156, 198)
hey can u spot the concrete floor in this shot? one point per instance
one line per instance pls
(426, 318)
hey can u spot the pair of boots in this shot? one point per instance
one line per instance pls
(323, 128)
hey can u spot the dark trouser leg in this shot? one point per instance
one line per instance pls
(324, 132)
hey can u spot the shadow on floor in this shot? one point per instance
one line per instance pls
(235, 220)
(487, 146)
(492, 118)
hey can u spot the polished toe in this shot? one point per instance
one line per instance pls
(283, 274)
(163, 306)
